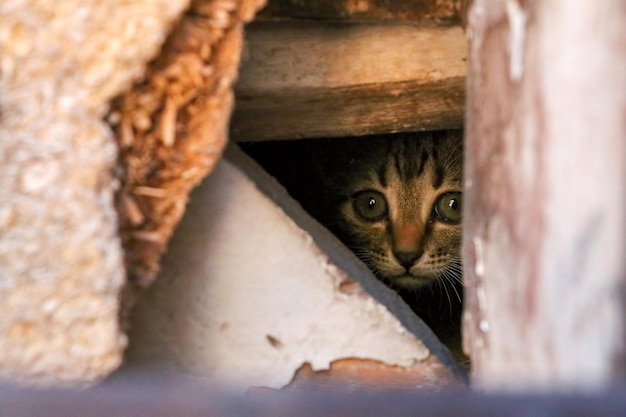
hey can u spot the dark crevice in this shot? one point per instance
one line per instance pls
(291, 163)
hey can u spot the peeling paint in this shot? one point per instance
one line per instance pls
(283, 308)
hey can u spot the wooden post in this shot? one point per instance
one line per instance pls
(545, 224)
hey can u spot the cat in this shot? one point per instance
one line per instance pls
(396, 202)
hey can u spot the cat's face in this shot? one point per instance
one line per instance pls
(401, 211)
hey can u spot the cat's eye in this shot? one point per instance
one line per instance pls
(370, 205)
(449, 207)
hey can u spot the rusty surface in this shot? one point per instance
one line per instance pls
(420, 11)
(370, 374)
(172, 126)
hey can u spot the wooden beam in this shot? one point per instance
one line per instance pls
(313, 79)
(423, 11)
(545, 220)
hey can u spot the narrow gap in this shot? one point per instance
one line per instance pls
(330, 176)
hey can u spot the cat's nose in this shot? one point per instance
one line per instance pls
(407, 259)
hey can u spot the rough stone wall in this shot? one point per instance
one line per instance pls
(61, 266)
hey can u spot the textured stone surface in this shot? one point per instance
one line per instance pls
(60, 257)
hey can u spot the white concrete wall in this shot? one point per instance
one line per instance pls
(246, 297)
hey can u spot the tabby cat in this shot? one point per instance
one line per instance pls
(397, 205)
(395, 201)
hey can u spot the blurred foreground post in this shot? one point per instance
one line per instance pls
(545, 224)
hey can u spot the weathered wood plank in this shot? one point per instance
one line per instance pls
(323, 80)
(545, 220)
(425, 11)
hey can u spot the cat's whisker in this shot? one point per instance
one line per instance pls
(455, 279)
(455, 261)
(451, 279)
(358, 249)
(456, 270)
(455, 275)
(444, 281)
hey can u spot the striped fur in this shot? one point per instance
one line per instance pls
(411, 245)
